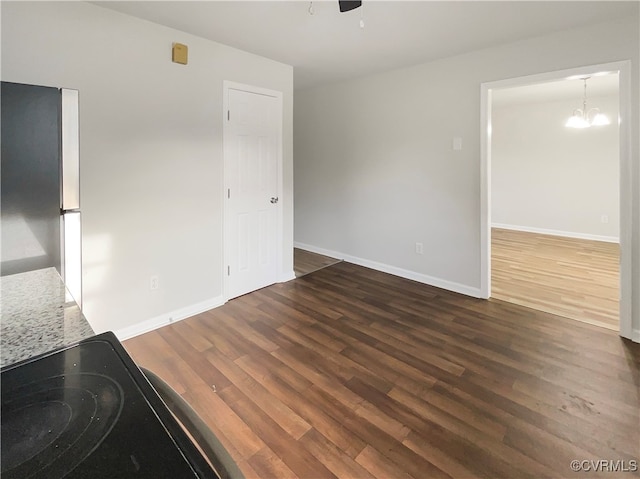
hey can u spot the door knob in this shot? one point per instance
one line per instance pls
(274, 199)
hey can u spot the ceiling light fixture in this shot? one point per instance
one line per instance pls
(344, 6)
(584, 118)
(348, 5)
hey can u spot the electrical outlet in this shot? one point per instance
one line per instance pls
(153, 283)
(419, 248)
(604, 219)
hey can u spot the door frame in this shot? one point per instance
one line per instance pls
(626, 219)
(231, 85)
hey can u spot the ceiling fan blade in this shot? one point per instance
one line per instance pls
(346, 5)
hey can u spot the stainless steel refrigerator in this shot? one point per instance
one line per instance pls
(40, 182)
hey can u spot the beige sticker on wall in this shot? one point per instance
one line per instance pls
(179, 53)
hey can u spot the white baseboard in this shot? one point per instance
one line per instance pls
(635, 336)
(566, 234)
(403, 273)
(168, 318)
(318, 250)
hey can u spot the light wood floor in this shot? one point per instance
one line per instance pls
(352, 373)
(574, 278)
(305, 262)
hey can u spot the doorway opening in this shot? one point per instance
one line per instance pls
(550, 236)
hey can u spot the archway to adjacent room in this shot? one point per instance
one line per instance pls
(525, 256)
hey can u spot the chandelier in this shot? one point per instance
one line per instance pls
(585, 118)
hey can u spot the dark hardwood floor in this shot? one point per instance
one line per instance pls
(305, 262)
(353, 373)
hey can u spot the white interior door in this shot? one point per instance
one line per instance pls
(251, 142)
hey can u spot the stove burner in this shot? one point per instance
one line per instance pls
(52, 425)
(32, 429)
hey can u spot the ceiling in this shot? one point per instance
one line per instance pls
(565, 89)
(330, 46)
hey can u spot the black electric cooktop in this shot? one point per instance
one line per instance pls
(87, 411)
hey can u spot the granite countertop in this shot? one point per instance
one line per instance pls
(37, 315)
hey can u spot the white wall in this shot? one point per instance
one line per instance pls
(375, 171)
(548, 177)
(151, 151)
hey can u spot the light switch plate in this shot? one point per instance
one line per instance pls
(457, 143)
